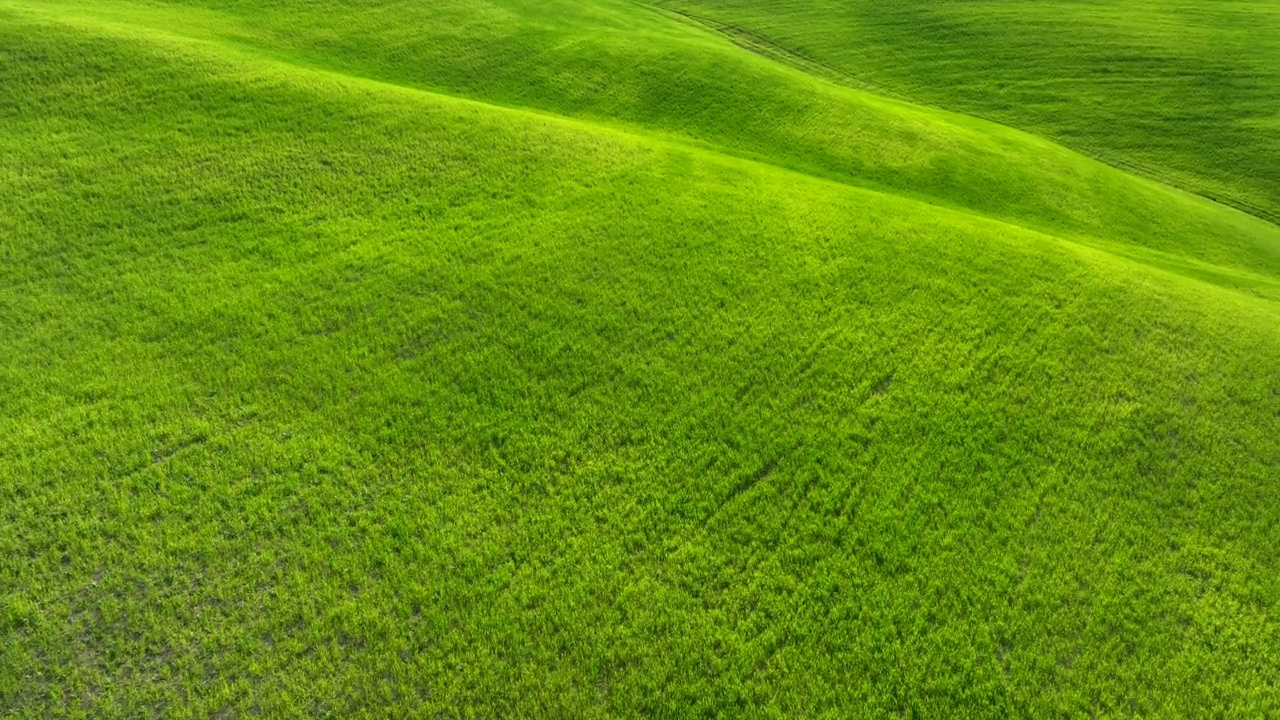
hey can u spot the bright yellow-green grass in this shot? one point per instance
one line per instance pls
(565, 359)
(1184, 90)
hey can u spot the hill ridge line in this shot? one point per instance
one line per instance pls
(771, 49)
(687, 144)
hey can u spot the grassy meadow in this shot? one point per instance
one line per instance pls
(1180, 90)
(501, 358)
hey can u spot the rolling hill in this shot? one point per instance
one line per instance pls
(1180, 90)
(483, 358)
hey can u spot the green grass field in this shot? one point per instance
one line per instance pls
(1181, 90)
(565, 358)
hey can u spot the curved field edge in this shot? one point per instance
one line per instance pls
(322, 396)
(679, 82)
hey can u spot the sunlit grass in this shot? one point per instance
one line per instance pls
(1181, 90)
(360, 380)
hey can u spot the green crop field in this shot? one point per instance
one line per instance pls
(594, 358)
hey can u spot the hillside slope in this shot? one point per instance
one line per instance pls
(627, 65)
(325, 392)
(1182, 90)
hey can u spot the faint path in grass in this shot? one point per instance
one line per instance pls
(743, 487)
(161, 456)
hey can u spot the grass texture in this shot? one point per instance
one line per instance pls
(565, 359)
(1181, 90)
